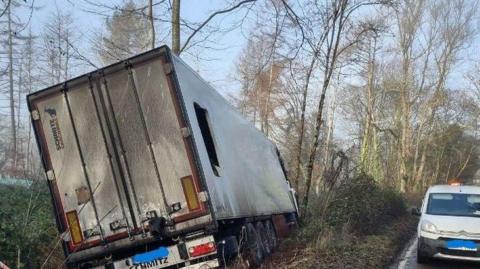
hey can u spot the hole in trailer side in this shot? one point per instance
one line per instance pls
(207, 135)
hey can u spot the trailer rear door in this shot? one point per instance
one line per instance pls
(116, 151)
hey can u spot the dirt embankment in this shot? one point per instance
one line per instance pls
(371, 251)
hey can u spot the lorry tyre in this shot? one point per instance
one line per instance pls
(271, 234)
(262, 232)
(228, 249)
(253, 250)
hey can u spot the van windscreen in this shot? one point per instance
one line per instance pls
(454, 204)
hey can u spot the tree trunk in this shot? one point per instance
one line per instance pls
(19, 105)
(331, 57)
(19, 251)
(152, 25)
(28, 67)
(301, 129)
(13, 125)
(267, 101)
(60, 52)
(436, 173)
(404, 122)
(313, 150)
(328, 141)
(418, 185)
(67, 54)
(176, 26)
(366, 152)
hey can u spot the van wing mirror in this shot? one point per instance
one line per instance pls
(416, 211)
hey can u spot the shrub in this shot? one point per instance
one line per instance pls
(364, 206)
(34, 236)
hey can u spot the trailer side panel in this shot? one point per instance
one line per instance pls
(243, 174)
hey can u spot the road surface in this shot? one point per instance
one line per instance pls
(408, 260)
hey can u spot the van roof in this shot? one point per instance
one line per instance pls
(454, 189)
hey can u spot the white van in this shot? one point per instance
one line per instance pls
(449, 226)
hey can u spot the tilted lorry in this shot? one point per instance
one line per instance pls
(149, 167)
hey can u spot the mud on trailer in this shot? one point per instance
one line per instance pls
(149, 167)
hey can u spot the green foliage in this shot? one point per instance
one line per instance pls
(27, 225)
(311, 228)
(357, 224)
(364, 206)
(370, 252)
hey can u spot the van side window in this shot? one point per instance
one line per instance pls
(205, 128)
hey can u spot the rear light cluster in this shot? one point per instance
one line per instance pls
(202, 249)
(74, 227)
(190, 193)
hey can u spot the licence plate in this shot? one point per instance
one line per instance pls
(159, 255)
(153, 259)
(462, 245)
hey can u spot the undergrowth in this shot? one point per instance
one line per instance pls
(358, 224)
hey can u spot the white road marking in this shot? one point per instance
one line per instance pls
(403, 263)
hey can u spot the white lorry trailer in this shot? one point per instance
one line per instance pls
(149, 167)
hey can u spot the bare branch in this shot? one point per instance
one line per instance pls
(7, 6)
(212, 16)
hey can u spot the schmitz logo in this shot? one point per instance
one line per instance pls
(55, 128)
(152, 264)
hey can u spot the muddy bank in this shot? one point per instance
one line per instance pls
(371, 251)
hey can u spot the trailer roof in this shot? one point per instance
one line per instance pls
(159, 51)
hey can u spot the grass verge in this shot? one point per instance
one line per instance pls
(353, 224)
(371, 251)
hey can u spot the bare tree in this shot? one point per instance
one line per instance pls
(127, 34)
(409, 20)
(176, 26)
(57, 36)
(429, 41)
(196, 29)
(13, 125)
(152, 23)
(336, 43)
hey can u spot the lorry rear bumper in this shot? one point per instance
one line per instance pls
(192, 254)
(207, 264)
(200, 265)
(138, 240)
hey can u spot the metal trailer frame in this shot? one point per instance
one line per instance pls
(250, 182)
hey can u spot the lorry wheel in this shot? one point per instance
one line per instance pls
(262, 232)
(228, 250)
(253, 250)
(271, 234)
